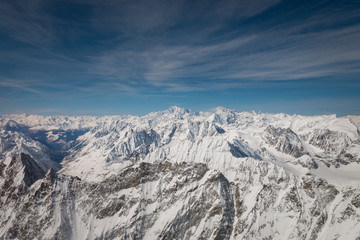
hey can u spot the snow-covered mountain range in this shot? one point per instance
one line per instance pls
(176, 174)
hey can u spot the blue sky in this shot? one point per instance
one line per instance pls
(133, 57)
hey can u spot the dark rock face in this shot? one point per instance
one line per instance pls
(32, 171)
(21, 172)
(284, 140)
(236, 151)
(335, 145)
(328, 140)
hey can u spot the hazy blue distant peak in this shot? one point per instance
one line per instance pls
(178, 110)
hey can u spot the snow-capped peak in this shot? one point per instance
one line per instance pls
(178, 110)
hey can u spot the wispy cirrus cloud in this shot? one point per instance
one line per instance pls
(268, 55)
(20, 85)
(27, 22)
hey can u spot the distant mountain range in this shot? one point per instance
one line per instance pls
(176, 174)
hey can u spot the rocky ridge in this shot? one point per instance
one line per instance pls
(179, 175)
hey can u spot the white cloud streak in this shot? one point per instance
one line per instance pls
(21, 85)
(295, 56)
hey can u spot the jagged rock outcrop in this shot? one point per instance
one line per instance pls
(285, 140)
